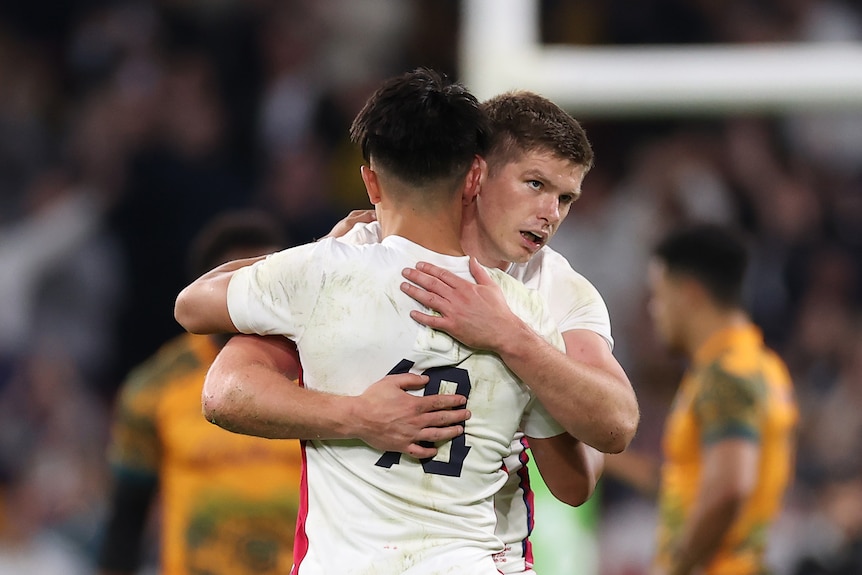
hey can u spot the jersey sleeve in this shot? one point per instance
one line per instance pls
(135, 448)
(729, 404)
(538, 423)
(575, 302)
(277, 295)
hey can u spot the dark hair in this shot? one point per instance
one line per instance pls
(236, 230)
(421, 127)
(713, 255)
(523, 121)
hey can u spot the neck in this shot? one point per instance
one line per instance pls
(436, 229)
(711, 321)
(471, 239)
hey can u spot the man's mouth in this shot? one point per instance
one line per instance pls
(533, 238)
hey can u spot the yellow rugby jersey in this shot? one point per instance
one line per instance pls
(735, 388)
(228, 501)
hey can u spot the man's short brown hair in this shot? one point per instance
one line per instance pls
(523, 121)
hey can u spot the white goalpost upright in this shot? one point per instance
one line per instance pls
(500, 49)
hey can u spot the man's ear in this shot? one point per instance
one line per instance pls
(694, 292)
(475, 178)
(372, 184)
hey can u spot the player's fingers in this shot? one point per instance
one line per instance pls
(364, 216)
(432, 321)
(426, 298)
(443, 403)
(480, 274)
(427, 282)
(443, 275)
(407, 381)
(438, 434)
(420, 451)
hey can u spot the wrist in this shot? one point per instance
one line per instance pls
(345, 417)
(516, 339)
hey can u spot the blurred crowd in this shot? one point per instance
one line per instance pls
(126, 125)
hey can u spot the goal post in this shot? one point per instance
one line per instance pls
(500, 49)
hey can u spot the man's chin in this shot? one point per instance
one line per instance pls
(521, 257)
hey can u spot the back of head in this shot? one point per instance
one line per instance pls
(522, 122)
(421, 128)
(713, 255)
(234, 235)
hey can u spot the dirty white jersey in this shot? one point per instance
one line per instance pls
(574, 303)
(365, 511)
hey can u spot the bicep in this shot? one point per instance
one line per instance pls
(592, 349)
(569, 467)
(729, 406)
(730, 469)
(729, 409)
(273, 352)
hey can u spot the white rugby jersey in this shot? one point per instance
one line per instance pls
(574, 303)
(365, 511)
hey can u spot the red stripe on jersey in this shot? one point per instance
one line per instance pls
(300, 540)
(524, 475)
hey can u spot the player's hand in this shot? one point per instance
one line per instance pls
(390, 419)
(477, 314)
(353, 218)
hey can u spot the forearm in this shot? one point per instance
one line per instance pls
(201, 307)
(570, 468)
(702, 535)
(728, 479)
(639, 471)
(120, 548)
(258, 401)
(595, 404)
(249, 389)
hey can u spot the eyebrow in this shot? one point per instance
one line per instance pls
(540, 175)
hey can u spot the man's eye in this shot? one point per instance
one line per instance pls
(567, 199)
(535, 184)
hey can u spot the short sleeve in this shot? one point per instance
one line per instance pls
(135, 445)
(277, 295)
(575, 303)
(538, 423)
(572, 300)
(729, 405)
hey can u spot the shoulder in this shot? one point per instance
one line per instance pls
(726, 393)
(305, 259)
(574, 302)
(549, 266)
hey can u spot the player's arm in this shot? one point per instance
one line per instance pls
(729, 478)
(201, 307)
(728, 409)
(134, 454)
(248, 389)
(640, 471)
(128, 510)
(584, 388)
(346, 224)
(569, 467)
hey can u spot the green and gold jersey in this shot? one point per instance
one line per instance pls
(228, 501)
(735, 388)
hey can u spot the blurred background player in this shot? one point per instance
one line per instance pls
(729, 439)
(228, 502)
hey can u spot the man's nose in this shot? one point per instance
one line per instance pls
(550, 210)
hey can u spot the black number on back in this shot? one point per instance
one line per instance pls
(458, 447)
